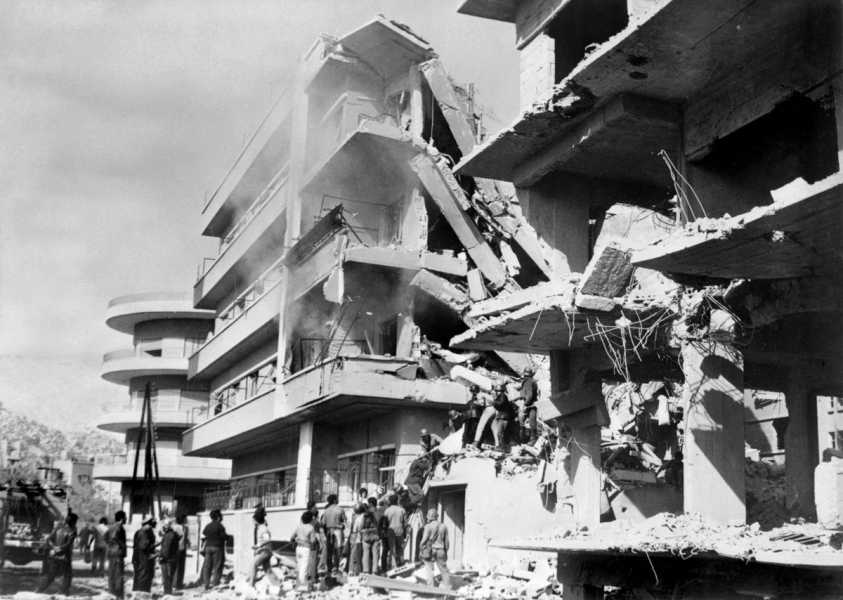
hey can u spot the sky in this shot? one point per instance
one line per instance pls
(117, 119)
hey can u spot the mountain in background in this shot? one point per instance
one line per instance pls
(40, 443)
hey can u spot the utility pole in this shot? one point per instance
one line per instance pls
(146, 488)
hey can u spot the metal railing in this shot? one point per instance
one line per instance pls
(111, 459)
(233, 496)
(276, 185)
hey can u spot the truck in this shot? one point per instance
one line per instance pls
(28, 513)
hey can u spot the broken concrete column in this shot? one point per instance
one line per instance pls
(714, 434)
(801, 452)
(580, 404)
(414, 222)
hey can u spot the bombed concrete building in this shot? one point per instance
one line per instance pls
(685, 159)
(348, 256)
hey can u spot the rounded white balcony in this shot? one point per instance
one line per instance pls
(172, 465)
(120, 366)
(127, 311)
(122, 419)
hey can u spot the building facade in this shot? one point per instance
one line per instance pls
(348, 257)
(165, 329)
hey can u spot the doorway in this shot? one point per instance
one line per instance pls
(452, 508)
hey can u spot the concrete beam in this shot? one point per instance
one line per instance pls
(449, 197)
(611, 142)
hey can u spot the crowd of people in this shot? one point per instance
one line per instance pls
(329, 543)
(102, 544)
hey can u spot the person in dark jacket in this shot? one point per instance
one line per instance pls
(168, 555)
(213, 539)
(59, 555)
(181, 528)
(529, 393)
(115, 539)
(504, 416)
(143, 556)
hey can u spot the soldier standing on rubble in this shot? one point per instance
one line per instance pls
(434, 548)
(58, 560)
(486, 400)
(334, 521)
(528, 417)
(504, 416)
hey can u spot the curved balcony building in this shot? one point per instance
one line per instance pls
(165, 330)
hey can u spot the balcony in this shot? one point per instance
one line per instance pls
(175, 412)
(369, 162)
(242, 327)
(339, 390)
(172, 465)
(346, 114)
(379, 47)
(266, 150)
(120, 366)
(250, 244)
(127, 311)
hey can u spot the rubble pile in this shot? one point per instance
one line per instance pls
(690, 534)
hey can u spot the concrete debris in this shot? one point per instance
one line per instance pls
(690, 534)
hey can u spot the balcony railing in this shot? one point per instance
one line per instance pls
(275, 186)
(111, 459)
(233, 496)
(250, 296)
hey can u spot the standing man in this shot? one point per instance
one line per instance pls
(434, 548)
(319, 561)
(504, 416)
(262, 547)
(115, 540)
(143, 556)
(180, 527)
(304, 537)
(486, 401)
(168, 555)
(530, 396)
(334, 521)
(213, 537)
(100, 547)
(396, 517)
(59, 555)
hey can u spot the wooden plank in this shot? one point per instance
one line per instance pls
(449, 197)
(385, 583)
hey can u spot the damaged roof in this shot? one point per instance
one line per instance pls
(795, 236)
(671, 37)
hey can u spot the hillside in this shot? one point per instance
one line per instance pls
(38, 441)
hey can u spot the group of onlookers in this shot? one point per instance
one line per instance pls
(168, 549)
(372, 540)
(97, 543)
